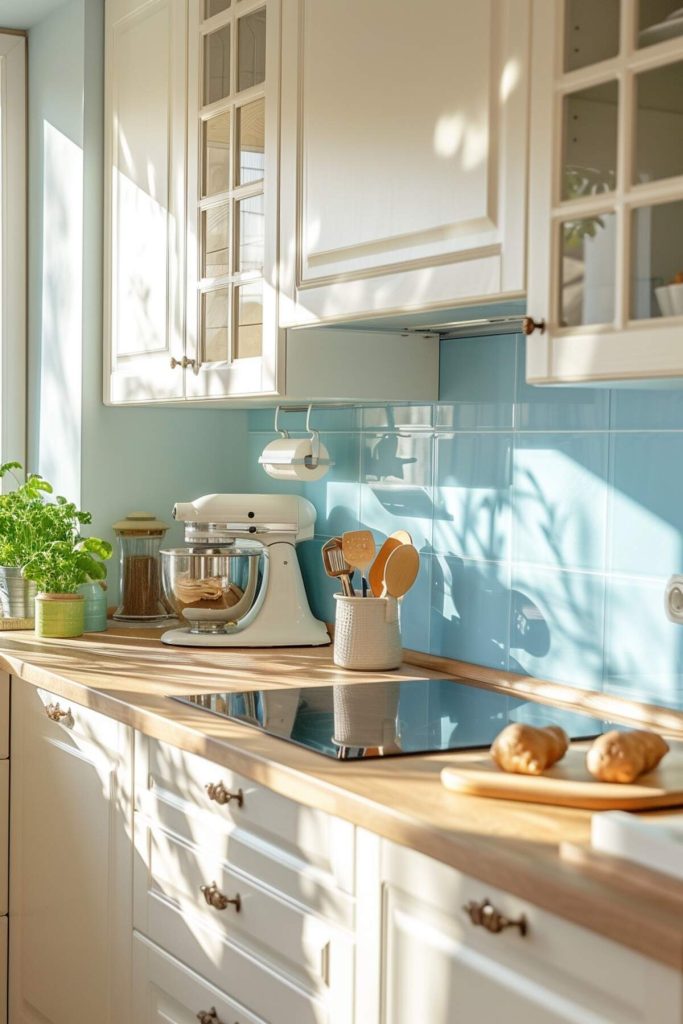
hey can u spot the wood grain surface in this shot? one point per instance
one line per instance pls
(129, 675)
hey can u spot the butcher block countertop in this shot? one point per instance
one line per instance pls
(129, 676)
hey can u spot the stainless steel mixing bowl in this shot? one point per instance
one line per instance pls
(212, 588)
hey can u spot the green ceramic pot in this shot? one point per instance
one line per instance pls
(59, 615)
(95, 607)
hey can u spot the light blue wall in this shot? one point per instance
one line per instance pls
(548, 519)
(112, 460)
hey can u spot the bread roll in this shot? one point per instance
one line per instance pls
(623, 756)
(528, 750)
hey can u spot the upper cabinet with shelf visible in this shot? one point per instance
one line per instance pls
(606, 211)
(232, 330)
(404, 155)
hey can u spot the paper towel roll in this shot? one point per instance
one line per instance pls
(288, 454)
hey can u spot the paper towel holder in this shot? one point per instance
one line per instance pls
(314, 460)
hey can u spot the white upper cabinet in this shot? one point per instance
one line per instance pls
(606, 213)
(404, 149)
(144, 222)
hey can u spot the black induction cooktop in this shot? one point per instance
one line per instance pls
(388, 719)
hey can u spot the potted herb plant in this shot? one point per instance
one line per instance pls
(57, 570)
(27, 524)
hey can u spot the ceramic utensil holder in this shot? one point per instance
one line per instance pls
(367, 634)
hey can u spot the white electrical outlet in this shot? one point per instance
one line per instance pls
(673, 599)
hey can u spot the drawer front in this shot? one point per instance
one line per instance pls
(555, 974)
(174, 780)
(4, 835)
(4, 714)
(267, 932)
(81, 723)
(3, 969)
(166, 992)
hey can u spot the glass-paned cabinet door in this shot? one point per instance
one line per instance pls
(606, 191)
(232, 199)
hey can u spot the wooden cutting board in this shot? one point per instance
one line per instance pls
(569, 784)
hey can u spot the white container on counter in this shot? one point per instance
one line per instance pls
(367, 634)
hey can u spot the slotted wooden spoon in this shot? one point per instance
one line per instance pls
(400, 572)
(359, 549)
(376, 574)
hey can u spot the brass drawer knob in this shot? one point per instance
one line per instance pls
(218, 792)
(483, 914)
(209, 1017)
(57, 713)
(529, 325)
(216, 899)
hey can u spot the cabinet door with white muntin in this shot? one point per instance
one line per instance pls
(232, 335)
(606, 199)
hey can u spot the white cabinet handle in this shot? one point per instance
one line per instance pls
(217, 791)
(483, 914)
(183, 363)
(216, 899)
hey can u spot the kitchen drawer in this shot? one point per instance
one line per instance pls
(556, 973)
(82, 724)
(4, 714)
(3, 968)
(167, 992)
(172, 789)
(280, 935)
(4, 834)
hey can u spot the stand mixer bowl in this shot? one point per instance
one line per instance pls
(212, 588)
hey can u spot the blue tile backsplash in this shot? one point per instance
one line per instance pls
(548, 519)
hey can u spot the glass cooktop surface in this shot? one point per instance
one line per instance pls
(386, 719)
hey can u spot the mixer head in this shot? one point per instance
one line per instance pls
(222, 518)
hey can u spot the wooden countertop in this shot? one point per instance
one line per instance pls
(130, 675)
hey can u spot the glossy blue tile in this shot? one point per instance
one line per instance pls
(473, 495)
(396, 485)
(560, 500)
(470, 611)
(319, 587)
(646, 504)
(477, 380)
(414, 610)
(337, 495)
(647, 408)
(540, 407)
(397, 417)
(643, 649)
(557, 625)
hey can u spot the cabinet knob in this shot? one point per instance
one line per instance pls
(210, 1017)
(529, 325)
(484, 914)
(216, 899)
(57, 713)
(183, 363)
(218, 792)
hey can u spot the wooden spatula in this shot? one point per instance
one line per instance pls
(358, 547)
(400, 572)
(376, 574)
(336, 565)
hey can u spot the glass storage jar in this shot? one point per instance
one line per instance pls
(140, 535)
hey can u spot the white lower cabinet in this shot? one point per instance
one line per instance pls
(71, 858)
(437, 966)
(167, 992)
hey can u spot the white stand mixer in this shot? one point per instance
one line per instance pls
(280, 615)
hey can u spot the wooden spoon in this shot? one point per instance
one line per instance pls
(376, 574)
(359, 549)
(400, 572)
